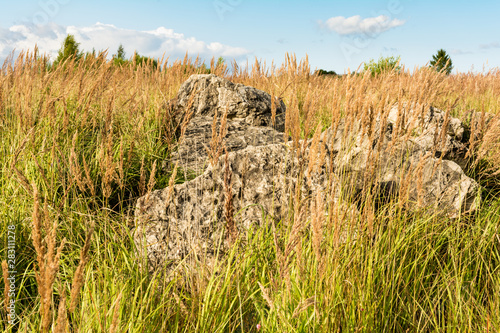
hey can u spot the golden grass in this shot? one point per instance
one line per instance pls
(88, 121)
(5, 275)
(47, 257)
(78, 278)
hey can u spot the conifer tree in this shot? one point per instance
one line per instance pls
(119, 57)
(69, 49)
(441, 62)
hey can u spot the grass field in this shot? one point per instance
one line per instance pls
(81, 142)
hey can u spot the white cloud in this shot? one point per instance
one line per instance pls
(101, 36)
(460, 52)
(355, 25)
(494, 45)
(482, 48)
(392, 50)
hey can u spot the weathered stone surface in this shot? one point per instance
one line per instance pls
(249, 118)
(210, 94)
(480, 123)
(191, 217)
(192, 151)
(409, 154)
(426, 170)
(427, 131)
(410, 171)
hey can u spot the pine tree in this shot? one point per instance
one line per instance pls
(120, 54)
(441, 62)
(119, 57)
(69, 49)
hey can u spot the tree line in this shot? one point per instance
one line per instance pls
(70, 49)
(441, 62)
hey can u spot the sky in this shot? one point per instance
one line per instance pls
(335, 35)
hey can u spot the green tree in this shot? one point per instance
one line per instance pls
(119, 57)
(220, 61)
(320, 72)
(142, 60)
(384, 64)
(202, 69)
(120, 54)
(69, 49)
(137, 60)
(441, 62)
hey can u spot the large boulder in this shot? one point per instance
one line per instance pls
(207, 94)
(408, 153)
(424, 154)
(248, 111)
(433, 130)
(192, 152)
(189, 218)
(408, 170)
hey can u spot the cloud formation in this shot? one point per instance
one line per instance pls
(494, 45)
(153, 43)
(355, 25)
(460, 52)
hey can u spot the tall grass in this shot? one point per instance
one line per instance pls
(80, 143)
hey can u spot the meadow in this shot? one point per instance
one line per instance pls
(79, 143)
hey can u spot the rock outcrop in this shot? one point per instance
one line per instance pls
(425, 158)
(190, 217)
(410, 171)
(406, 153)
(207, 94)
(248, 112)
(433, 131)
(192, 153)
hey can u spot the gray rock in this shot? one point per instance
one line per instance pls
(479, 123)
(428, 132)
(424, 181)
(190, 219)
(249, 118)
(429, 173)
(403, 156)
(210, 94)
(192, 153)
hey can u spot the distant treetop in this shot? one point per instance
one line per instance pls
(69, 49)
(323, 72)
(441, 62)
(384, 64)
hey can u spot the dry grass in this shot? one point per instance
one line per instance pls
(47, 257)
(115, 325)
(5, 274)
(86, 141)
(62, 318)
(217, 145)
(78, 278)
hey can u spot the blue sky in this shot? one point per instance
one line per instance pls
(336, 35)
